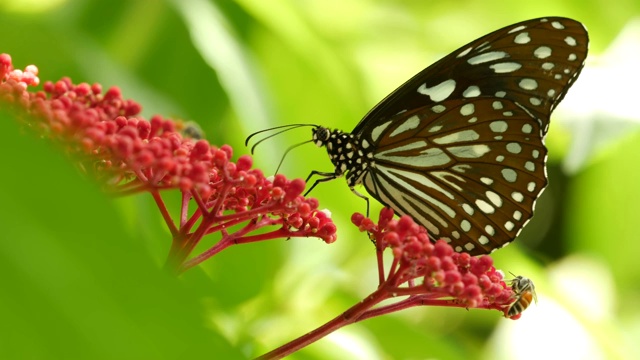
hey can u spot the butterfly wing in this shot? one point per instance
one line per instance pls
(468, 170)
(532, 63)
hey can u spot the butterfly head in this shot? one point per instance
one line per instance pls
(321, 135)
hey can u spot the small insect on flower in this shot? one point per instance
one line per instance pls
(525, 292)
(191, 129)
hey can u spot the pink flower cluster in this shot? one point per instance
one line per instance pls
(432, 273)
(130, 154)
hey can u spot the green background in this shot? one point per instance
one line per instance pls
(81, 272)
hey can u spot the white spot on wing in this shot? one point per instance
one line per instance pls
(462, 168)
(464, 135)
(427, 158)
(375, 134)
(522, 38)
(464, 52)
(547, 66)
(528, 84)
(467, 109)
(485, 207)
(509, 225)
(445, 176)
(486, 57)
(530, 166)
(498, 126)
(486, 180)
(438, 92)
(505, 67)
(409, 124)
(514, 148)
(438, 108)
(471, 91)
(494, 198)
(571, 41)
(465, 225)
(517, 196)
(542, 52)
(410, 146)
(516, 29)
(517, 215)
(490, 230)
(509, 174)
(468, 209)
(469, 151)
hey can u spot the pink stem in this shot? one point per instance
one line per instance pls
(165, 213)
(227, 241)
(407, 303)
(346, 318)
(184, 208)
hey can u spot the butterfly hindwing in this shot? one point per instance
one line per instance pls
(468, 170)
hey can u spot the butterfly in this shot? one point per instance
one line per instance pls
(459, 147)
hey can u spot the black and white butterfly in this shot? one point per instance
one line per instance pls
(460, 146)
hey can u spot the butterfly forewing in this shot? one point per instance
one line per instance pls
(532, 63)
(468, 170)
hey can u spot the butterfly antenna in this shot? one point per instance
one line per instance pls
(287, 151)
(285, 127)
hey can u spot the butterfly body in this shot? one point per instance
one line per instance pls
(460, 146)
(351, 156)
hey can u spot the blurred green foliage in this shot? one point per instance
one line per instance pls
(82, 274)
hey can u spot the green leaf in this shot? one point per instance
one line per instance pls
(74, 283)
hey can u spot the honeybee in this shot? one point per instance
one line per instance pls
(525, 292)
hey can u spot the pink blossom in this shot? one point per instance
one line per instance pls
(129, 154)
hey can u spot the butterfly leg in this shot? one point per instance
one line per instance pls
(370, 234)
(328, 176)
(325, 176)
(365, 198)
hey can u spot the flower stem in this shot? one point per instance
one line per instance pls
(165, 213)
(348, 317)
